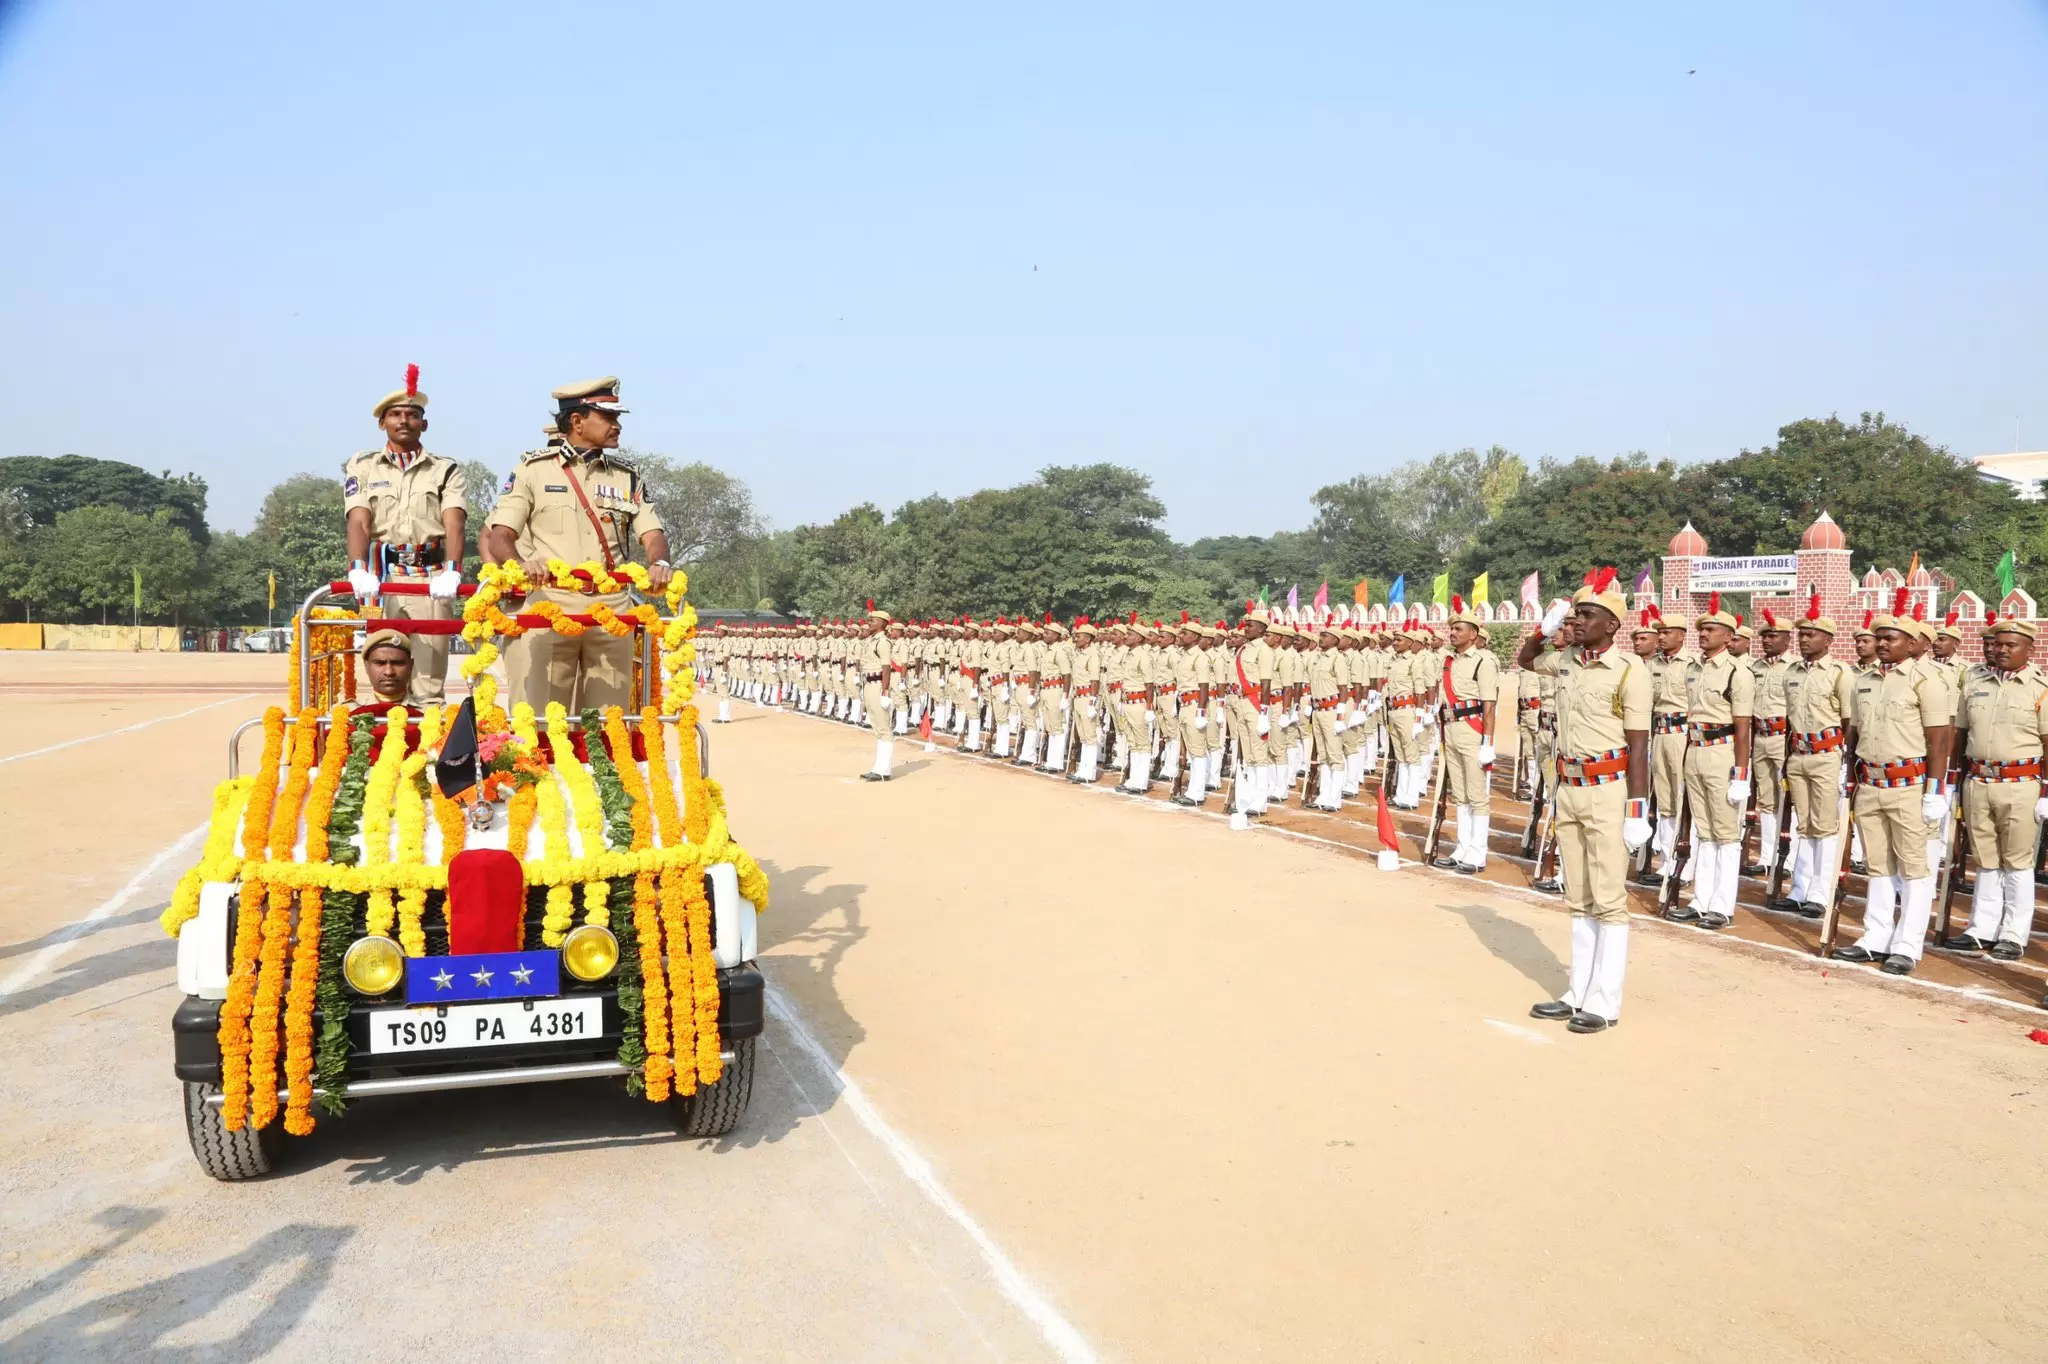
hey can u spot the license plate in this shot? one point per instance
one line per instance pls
(510, 1024)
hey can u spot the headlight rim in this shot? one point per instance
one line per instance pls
(584, 933)
(367, 942)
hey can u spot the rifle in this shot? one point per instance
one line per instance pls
(1542, 793)
(1681, 851)
(1777, 882)
(1440, 796)
(1546, 846)
(1955, 844)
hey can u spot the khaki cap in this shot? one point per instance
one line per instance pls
(378, 638)
(409, 396)
(602, 394)
(2010, 626)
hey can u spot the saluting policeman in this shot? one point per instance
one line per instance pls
(406, 513)
(579, 503)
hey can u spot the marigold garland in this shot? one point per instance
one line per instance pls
(305, 976)
(378, 798)
(241, 992)
(662, 793)
(653, 1010)
(704, 978)
(273, 956)
(218, 861)
(675, 928)
(340, 912)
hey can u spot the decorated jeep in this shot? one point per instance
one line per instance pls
(398, 901)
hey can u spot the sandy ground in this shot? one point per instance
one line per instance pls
(1210, 1095)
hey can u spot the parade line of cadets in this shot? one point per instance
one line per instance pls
(1627, 739)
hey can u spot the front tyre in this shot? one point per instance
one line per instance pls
(715, 1110)
(223, 1154)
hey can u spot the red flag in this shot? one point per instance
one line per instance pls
(1388, 838)
(924, 727)
(1322, 601)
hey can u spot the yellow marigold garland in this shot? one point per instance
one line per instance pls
(675, 927)
(298, 1011)
(241, 994)
(561, 899)
(662, 792)
(218, 861)
(411, 816)
(646, 907)
(704, 978)
(378, 797)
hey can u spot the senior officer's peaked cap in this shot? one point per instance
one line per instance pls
(602, 394)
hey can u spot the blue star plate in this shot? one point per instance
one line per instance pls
(482, 975)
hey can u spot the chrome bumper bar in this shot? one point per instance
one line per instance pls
(480, 1079)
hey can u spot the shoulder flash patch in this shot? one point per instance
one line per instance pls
(349, 486)
(510, 477)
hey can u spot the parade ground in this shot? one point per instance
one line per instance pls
(1050, 1074)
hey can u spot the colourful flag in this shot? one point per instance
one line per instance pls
(1293, 597)
(1532, 594)
(138, 589)
(1398, 594)
(1384, 818)
(1322, 601)
(1361, 594)
(1479, 589)
(1440, 590)
(1913, 568)
(1645, 584)
(2008, 575)
(1262, 597)
(273, 591)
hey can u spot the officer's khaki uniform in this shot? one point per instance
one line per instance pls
(1820, 700)
(1404, 718)
(1767, 750)
(593, 668)
(1134, 675)
(1055, 701)
(1252, 669)
(2006, 715)
(408, 539)
(1324, 674)
(1720, 699)
(872, 659)
(1667, 745)
(1895, 707)
(1087, 703)
(1472, 683)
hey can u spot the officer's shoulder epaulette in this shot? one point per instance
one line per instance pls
(622, 465)
(530, 456)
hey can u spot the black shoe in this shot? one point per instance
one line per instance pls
(1898, 964)
(1812, 909)
(874, 776)
(1784, 904)
(1465, 869)
(1755, 869)
(1963, 942)
(1185, 801)
(1554, 1010)
(1682, 914)
(1444, 863)
(1549, 885)
(1715, 922)
(1650, 878)
(1585, 1022)
(1852, 953)
(2006, 951)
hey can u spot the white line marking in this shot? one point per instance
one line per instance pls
(40, 962)
(1517, 1030)
(1058, 1332)
(125, 729)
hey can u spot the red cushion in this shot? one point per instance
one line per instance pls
(486, 899)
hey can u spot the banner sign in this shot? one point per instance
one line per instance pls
(1757, 573)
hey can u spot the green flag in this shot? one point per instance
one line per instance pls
(1262, 599)
(2006, 575)
(138, 590)
(1440, 591)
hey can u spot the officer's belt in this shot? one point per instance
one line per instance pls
(1667, 722)
(1709, 734)
(1326, 702)
(1532, 703)
(1821, 741)
(1052, 682)
(1085, 689)
(871, 677)
(1467, 710)
(1884, 774)
(1770, 726)
(2018, 769)
(1597, 770)
(414, 557)
(1401, 703)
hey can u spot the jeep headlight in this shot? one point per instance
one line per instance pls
(373, 966)
(589, 952)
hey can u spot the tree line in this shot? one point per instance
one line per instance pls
(1073, 539)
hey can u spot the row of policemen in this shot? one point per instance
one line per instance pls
(571, 499)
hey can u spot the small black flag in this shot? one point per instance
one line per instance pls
(455, 771)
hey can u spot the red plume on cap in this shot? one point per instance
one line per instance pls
(412, 381)
(1899, 602)
(1714, 604)
(1955, 613)
(1084, 621)
(1220, 625)
(1813, 605)
(871, 603)
(1133, 620)
(1457, 602)
(1738, 620)
(1183, 618)
(1868, 617)
(1920, 611)
(1770, 621)
(1654, 613)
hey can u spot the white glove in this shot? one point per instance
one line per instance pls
(1065, 704)
(1201, 721)
(2041, 809)
(1486, 754)
(1635, 833)
(1415, 727)
(442, 585)
(363, 583)
(1265, 725)
(1372, 702)
(1553, 619)
(1933, 807)
(888, 701)
(1738, 792)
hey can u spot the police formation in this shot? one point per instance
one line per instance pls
(1644, 754)
(571, 499)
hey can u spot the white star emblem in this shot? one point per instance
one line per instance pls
(442, 980)
(522, 975)
(481, 976)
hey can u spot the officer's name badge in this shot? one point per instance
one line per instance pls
(555, 488)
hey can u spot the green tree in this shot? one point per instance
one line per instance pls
(480, 495)
(1417, 519)
(81, 567)
(42, 488)
(706, 511)
(318, 491)
(1570, 516)
(312, 548)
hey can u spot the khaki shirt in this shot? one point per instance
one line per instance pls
(540, 500)
(1256, 661)
(405, 504)
(1087, 665)
(2005, 713)
(1668, 676)
(1771, 701)
(1058, 663)
(1400, 677)
(1719, 690)
(1819, 696)
(1599, 698)
(1324, 674)
(873, 657)
(1896, 707)
(1475, 675)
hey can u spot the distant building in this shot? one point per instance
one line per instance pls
(2024, 470)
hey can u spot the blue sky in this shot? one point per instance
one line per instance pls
(869, 252)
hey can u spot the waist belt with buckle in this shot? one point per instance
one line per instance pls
(1401, 703)
(1667, 722)
(1821, 741)
(1190, 697)
(1532, 703)
(1468, 710)
(1116, 687)
(2019, 769)
(1327, 702)
(1053, 682)
(1085, 689)
(1770, 725)
(1709, 734)
(412, 558)
(872, 677)
(1597, 770)
(1888, 775)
